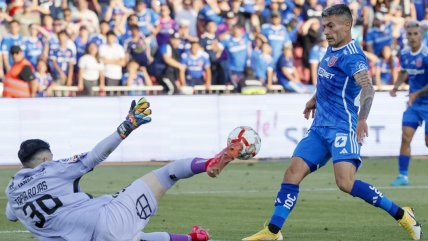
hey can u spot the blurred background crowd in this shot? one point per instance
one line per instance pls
(177, 43)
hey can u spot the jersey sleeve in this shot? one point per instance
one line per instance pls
(352, 64)
(10, 215)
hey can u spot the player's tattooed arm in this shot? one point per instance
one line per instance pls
(367, 93)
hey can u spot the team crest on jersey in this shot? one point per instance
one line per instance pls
(340, 140)
(332, 61)
(419, 62)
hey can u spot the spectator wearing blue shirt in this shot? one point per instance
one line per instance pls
(386, 68)
(276, 34)
(287, 74)
(63, 60)
(315, 56)
(378, 36)
(148, 20)
(262, 64)
(81, 41)
(210, 12)
(185, 37)
(101, 37)
(11, 39)
(136, 48)
(34, 45)
(197, 62)
(136, 76)
(238, 49)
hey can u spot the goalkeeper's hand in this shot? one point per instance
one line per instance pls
(138, 115)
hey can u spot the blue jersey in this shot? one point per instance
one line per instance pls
(277, 37)
(237, 53)
(207, 14)
(379, 38)
(137, 81)
(147, 18)
(98, 39)
(80, 47)
(63, 57)
(316, 54)
(283, 62)
(420, 9)
(416, 65)
(337, 91)
(33, 50)
(8, 41)
(195, 64)
(385, 67)
(261, 63)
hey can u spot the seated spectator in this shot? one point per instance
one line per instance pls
(63, 60)
(90, 71)
(136, 76)
(287, 74)
(263, 64)
(315, 56)
(45, 83)
(198, 69)
(185, 37)
(167, 67)
(20, 81)
(112, 55)
(386, 68)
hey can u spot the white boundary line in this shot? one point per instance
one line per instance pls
(14, 231)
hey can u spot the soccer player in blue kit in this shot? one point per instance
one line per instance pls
(45, 195)
(338, 129)
(414, 64)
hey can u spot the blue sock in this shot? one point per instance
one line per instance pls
(403, 164)
(284, 204)
(373, 196)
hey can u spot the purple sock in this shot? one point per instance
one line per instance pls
(198, 165)
(180, 237)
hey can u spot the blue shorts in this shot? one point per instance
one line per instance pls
(322, 143)
(415, 115)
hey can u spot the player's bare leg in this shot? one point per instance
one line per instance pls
(404, 158)
(285, 201)
(345, 178)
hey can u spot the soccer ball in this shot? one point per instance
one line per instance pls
(249, 139)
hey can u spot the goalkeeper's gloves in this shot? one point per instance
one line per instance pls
(138, 115)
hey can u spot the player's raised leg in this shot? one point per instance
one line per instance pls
(345, 179)
(409, 129)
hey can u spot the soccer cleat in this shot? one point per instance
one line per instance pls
(199, 234)
(265, 234)
(409, 223)
(215, 165)
(400, 181)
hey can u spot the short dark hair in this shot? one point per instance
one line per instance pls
(30, 147)
(111, 32)
(338, 10)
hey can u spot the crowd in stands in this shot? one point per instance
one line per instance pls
(177, 43)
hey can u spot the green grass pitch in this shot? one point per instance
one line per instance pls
(237, 203)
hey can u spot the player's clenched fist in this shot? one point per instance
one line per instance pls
(138, 115)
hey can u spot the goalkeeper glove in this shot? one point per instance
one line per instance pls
(138, 115)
